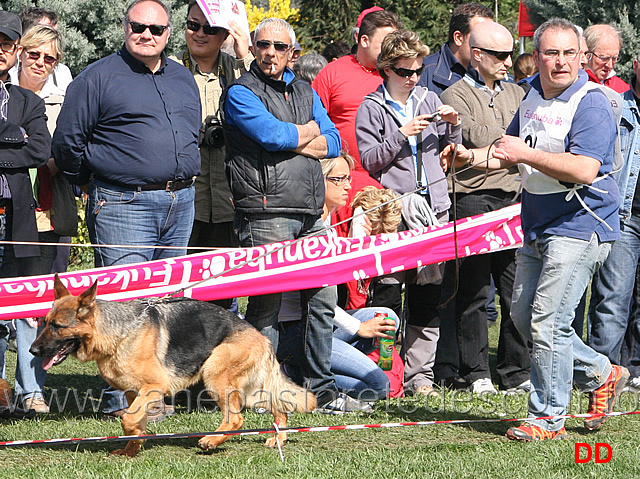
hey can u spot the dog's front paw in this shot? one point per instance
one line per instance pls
(272, 441)
(130, 450)
(209, 443)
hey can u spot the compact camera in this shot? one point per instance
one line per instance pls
(211, 133)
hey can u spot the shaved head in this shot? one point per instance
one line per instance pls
(491, 35)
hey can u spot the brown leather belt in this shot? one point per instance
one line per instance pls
(171, 185)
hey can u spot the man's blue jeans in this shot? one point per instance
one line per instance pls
(612, 293)
(552, 273)
(122, 216)
(317, 304)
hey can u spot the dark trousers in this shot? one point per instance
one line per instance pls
(463, 347)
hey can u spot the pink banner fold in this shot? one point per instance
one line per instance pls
(311, 263)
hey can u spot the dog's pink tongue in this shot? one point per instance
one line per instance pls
(48, 362)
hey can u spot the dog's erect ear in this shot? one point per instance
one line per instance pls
(59, 289)
(87, 300)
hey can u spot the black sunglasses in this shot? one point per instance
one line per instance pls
(207, 29)
(279, 46)
(156, 30)
(502, 56)
(406, 73)
(48, 59)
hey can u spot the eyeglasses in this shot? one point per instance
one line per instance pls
(279, 46)
(603, 58)
(156, 30)
(501, 56)
(207, 29)
(35, 56)
(339, 180)
(569, 55)
(8, 47)
(406, 73)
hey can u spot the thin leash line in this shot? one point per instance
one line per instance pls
(319, 232)
(276, 429)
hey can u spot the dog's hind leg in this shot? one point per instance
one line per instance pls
(231, 401)
(134, 421)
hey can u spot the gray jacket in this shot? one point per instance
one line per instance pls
(386, 153)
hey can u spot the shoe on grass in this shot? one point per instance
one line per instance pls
(483, 386)
(633, 385)
(602, 400)
(522, 388)
(38, 404)
(528, 432)
(344, 404)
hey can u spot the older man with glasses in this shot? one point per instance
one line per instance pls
(603, 52)
(129, 130)
(275, 131)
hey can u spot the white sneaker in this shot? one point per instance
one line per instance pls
(522, 388)
(482, 386)
(344, 404)
(633, 385)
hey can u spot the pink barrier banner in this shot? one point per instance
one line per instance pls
(310, 263)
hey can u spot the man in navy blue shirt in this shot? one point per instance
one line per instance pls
(129, 128)
(447, 66)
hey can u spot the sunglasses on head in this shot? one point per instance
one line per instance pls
(501, 56)
(156, 30)
(48, 59)
(279, 46)
(207, 29)
(406, 73)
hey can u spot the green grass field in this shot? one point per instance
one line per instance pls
(444, 450)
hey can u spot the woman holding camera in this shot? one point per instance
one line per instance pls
(401, 129)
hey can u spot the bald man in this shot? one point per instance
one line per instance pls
(486, 105)
(603, 50)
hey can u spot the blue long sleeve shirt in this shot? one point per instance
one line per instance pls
(128, 125)
(245, 111)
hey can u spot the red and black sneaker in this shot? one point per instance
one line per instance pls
(528, 432)
(601, 400)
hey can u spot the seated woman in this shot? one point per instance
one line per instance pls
(353, 338)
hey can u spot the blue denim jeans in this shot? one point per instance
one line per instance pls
(612, 293)
(317, 304)
(552, 273)
(122, 216)
(29, 377)
(356, 374)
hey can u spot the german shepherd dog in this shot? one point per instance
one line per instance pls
(156, 347)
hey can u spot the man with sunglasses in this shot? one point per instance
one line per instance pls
(486, 104)
(129, 129)
(25, 144)
(603, 51)
(213, 71)
(275, 131)
(562, 139)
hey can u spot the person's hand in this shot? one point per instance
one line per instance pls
(415, 126)
(360, 227)
(511, 149)
(314, 128)
(376, 328)
(448, 114)
(463, 155)
(240, 40)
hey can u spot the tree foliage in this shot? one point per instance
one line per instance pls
(92, 29)
(589, 12)
(320, 23)
(277, 8)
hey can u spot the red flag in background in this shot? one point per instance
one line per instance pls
(525, 28)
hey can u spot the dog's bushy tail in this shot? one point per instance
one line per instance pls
(283, 394)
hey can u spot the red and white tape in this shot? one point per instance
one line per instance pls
(253, 432)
